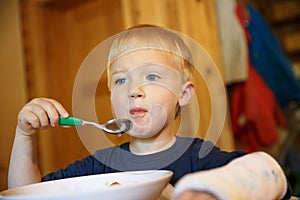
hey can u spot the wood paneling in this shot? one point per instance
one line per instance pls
(58, 35)
(12, 80)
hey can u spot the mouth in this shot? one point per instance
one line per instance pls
(137, 112)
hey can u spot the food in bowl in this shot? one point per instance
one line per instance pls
(134, 185)
(114, 184)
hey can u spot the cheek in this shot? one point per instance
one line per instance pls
(166, 100)
(164, 95)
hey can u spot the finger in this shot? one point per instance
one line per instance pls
(28, 121)
(52, 109)
(41, 114)
(61, 110)
(54, 117)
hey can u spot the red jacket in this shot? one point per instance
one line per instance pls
(255, 113)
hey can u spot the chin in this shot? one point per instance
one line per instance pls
(142, 132)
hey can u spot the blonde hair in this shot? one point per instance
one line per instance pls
(152, 37)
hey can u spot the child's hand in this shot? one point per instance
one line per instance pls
(40, 113)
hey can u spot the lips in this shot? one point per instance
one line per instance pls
(137, 111)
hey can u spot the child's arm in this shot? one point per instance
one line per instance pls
(253, 176)
(40, 113)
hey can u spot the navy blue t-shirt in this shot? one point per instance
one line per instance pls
(186, 155)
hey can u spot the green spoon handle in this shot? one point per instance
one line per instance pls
(69, 121)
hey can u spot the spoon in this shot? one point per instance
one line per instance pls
(114, 126)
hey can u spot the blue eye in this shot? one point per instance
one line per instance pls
(152, 77)
(120, 81)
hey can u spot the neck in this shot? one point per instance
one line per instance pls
(144, 146)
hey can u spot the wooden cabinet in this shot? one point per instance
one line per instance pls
(59, 34)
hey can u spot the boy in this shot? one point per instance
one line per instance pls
(149, 72)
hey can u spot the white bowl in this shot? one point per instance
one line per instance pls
(135, 185)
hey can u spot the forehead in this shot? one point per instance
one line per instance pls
(143, 57)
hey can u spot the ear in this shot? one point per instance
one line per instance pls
(187, 93)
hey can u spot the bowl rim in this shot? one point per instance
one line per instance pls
(166, 174)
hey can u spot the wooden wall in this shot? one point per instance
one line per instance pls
(59, 34)
(12, 81)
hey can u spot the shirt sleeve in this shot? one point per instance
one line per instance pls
(206, 156)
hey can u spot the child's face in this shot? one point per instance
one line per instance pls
(145, 87)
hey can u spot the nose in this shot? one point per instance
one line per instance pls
(137, 93)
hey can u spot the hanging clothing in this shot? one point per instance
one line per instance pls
(234, 47)
(269, 60)
(255, 113)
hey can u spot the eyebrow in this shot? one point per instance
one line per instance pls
(118, 72)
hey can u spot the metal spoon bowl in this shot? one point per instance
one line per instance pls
(114, 126)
